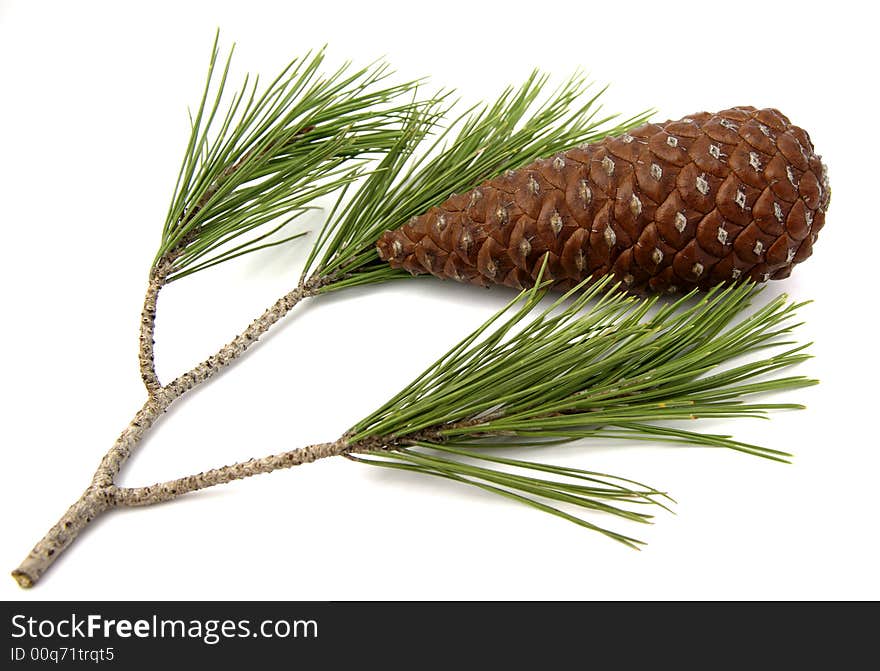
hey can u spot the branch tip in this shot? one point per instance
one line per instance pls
(23, 579)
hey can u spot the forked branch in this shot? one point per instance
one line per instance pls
(102, 492)
(615, 371)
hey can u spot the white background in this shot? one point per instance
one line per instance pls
(93, 103)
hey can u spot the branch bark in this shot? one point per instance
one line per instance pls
(166, 491)
(103, 494)
(90, 505)
(159, 275)
(146, 358)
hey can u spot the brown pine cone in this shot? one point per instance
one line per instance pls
(666, 207)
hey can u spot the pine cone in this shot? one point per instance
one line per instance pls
(666, 207)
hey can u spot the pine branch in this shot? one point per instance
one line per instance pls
(245, 177)
(593, 364)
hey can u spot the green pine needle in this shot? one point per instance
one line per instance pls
(271, 151)
(421, 172)
(593, 364)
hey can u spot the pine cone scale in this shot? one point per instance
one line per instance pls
(666, 207)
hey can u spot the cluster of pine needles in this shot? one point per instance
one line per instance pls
(593, 364)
